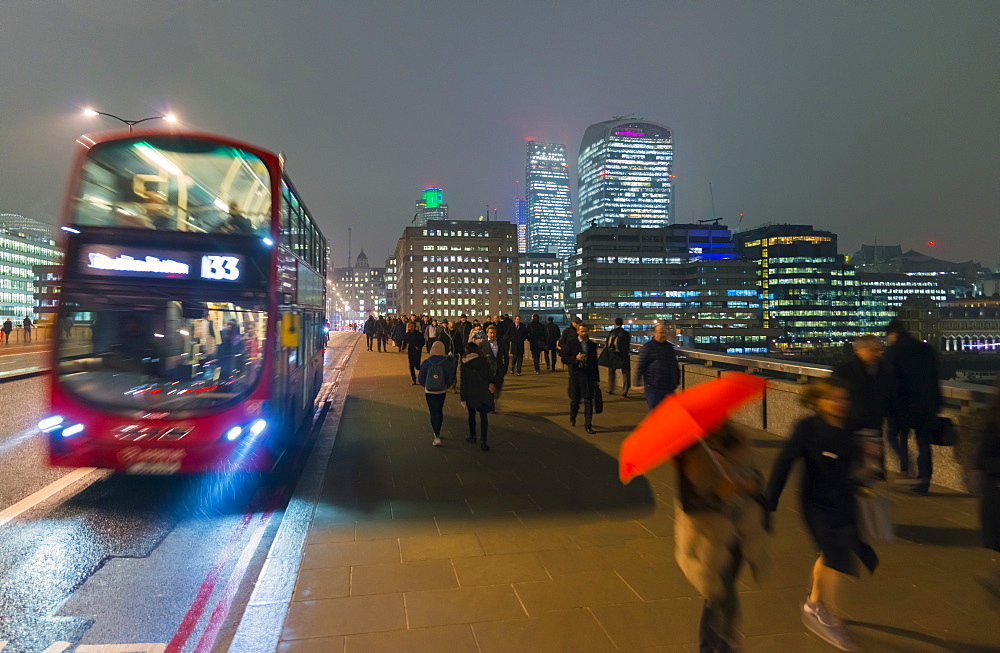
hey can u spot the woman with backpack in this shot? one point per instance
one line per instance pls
(437, 374)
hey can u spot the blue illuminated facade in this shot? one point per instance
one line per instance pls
(521, 220)
(550, 225)
(625, 175)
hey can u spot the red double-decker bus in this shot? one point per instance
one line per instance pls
(191, 307)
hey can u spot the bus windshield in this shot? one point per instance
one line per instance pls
(152, 354)
(173, 183)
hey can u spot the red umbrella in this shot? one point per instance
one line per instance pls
(684, 418)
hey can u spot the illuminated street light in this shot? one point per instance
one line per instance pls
(169, 117)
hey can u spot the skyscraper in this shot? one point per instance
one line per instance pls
(550, 209)
(521, 220)
(625, 174)
(430, 206)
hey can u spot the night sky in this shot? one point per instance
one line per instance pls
(877, 120)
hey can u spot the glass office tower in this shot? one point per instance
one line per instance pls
(625, 175)
(521, 220)
(550, 209)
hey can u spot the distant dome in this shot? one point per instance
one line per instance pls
(362, 260)
(18, 225)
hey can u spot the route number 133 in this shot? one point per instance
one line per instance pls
(220, 268)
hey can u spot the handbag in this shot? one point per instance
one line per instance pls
(598, 400)
(874, 519)
(605, 359)
(943, 432)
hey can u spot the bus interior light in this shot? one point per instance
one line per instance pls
(70, 229)
(50, 423)
(258, 426)
(267, 241)
(72, 430)
(234, 433)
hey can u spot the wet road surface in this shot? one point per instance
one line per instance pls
(115, 559)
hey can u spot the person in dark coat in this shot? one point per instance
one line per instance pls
(537, 341)
(619, 357)
(551, 344)
(579, 354)
(518, 336)
(398, 331)
(492, 350)
(869, 384)
(505, 334)
(915, 399)
(8, 326)
(462, 329)
(414, 343)
(477, 389)
(369, 330)
(988, 462)
(830, 453)
(658, 371)
(569, 333)
(382, 333)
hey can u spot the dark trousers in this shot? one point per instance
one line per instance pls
(654, 396)
(536, 354)
(717, 632)
(435, 404)
(516, 361)
(414, 361)
(550, 357)
(371, 338)
(626, 379)
(430, 342)
(484, 420)
(898, 435)
(383, 343)
(581, 389)
(503, 357)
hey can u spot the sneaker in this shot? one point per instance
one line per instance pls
(817, 619)
(436, 441)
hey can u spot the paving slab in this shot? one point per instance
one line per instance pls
(536, 545)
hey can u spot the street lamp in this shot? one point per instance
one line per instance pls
(169, 117)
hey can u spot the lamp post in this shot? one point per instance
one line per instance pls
(169, 117)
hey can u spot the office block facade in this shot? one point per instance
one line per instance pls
(550, 207)
(541, 286)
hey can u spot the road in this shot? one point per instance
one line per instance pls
(111, 559)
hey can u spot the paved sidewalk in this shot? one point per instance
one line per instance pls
(536, 546)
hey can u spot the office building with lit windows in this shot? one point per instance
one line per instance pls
(391, 281)
(551, 227)
(521, 220)
(430, 206)
(362, 288)
(808, 290)
(882, 293)
(452, 267)
(625, 175)
(24, 243)
(541, 286)
(708, 299)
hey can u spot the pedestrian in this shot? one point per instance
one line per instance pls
(831, 454)
(477, 392)
(27, 324)
(719, 522)
(536, 338)
(505, 336)
(619, 357)
(580, 355)
(8, 326)
(868, 382)
(518, 336)
(658, 371)
(437, 374)
(477, 335)
(988, 463)
(382, 333)
(431, 333)
(462, 329)
(398, 331)
(916, 397)
(551, 344)
(491, 350)
(413, 340)
(369, 330)
(569, 333)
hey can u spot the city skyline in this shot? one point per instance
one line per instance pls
(880, 141)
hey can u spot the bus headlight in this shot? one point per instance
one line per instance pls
(50, 424)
